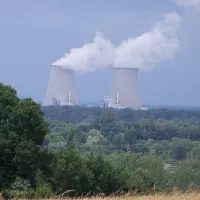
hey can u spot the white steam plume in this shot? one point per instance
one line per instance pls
(189, 3)
(144, 52)
(89, 57)
(158, 45)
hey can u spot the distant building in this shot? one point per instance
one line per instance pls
(63, 101)
(125, 90)
(114, 102)
(61, 89)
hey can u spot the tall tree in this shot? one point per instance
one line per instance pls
(22, 131)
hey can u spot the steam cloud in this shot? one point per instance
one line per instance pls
(144, 52)
(188, 3)
(89, 57)
(158, 45)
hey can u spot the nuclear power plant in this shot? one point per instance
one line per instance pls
(126, 58)
(61, 89)
(125, 90)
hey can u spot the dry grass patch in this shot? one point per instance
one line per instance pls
(175, 196)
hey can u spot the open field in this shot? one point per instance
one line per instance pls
(176, 196)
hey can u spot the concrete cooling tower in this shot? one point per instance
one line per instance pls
(125, 88)
(61, 89)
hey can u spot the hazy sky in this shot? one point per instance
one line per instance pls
(35, 33)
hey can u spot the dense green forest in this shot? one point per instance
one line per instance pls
(78, 114)
(76, 151)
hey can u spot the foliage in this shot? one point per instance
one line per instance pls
(22, 131)
(87, 151)
(145, 149)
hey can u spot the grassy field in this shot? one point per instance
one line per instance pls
(176, 196)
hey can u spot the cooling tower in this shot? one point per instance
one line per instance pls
(61, 87)
(125, 85)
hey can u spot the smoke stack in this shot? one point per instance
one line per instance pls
(125, 86)
(61, 87)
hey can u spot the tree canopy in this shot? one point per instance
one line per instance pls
(22, 131)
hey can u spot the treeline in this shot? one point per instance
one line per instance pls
(77, 151)
(77, 114)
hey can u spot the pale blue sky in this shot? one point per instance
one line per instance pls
(35, 33)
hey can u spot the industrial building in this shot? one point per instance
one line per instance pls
(61, 89)
(112, 101)
(125, 90)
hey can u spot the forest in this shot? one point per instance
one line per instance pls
(79, 151)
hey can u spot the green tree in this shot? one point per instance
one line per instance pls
(70, 140)
(94, 140)
(22, 131)
(70, 172)
(106, 179)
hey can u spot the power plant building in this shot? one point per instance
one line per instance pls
(112, 102)
(61, 90)
(125, 90)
